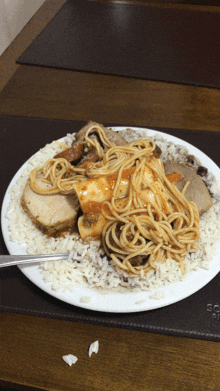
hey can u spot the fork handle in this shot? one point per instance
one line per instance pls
(9, 260)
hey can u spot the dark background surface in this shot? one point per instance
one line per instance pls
(180, 46)
(20, 137)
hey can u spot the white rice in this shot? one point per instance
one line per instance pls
(87, 263)
(158, 295)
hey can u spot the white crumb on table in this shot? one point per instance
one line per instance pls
(70, 359)
(94, 348)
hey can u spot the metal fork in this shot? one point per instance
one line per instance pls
(9, 260)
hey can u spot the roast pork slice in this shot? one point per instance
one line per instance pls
(196, 191)
(50, 213)
(114, 137)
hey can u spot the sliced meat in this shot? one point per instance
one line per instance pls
(79, 153)
(114, 137)
(78, 157)
(196, 191)
(80, 135)
(72, 154)
(50, 213)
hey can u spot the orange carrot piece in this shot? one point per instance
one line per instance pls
(174, 177)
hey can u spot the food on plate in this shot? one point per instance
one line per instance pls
(50, 213)
(134, 228)
(113, 137)
(125, 198)
(100, 138)
(196, 190)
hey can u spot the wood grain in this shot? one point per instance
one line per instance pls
(126, 360)
(52, 93)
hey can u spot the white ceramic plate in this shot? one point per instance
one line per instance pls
(120, 302)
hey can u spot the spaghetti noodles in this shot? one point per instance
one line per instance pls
(151, 222)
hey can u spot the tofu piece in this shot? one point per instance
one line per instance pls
(93, 192)
(50, 213)
(101, 189)
(89, 228)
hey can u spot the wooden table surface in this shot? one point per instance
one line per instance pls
(31, 348)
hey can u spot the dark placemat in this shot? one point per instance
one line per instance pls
(165, 44)
(198, 316)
